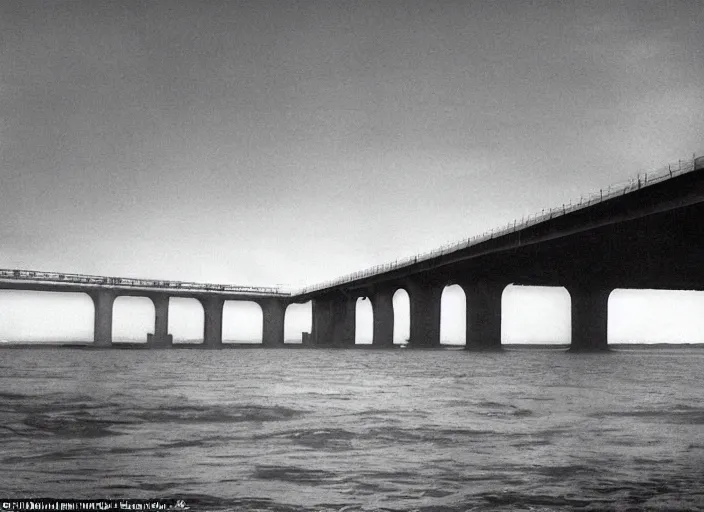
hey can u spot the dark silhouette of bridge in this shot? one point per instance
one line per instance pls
(648, 233)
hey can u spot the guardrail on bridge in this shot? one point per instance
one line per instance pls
(55, 277)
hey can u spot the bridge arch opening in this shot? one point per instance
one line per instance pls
(536, 315)
(242, 322)
(298, 319)
(364, 322)
(453, 316)
(402, 317)
(39, 317)
(186, 320)
(132, 319)
(655, 316)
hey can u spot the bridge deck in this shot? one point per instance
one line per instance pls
(15, 276)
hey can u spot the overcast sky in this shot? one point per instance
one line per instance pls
(270, 142)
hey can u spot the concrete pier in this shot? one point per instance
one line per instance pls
(483, 301)
(321, 329)
(589, 317)
(344, 317)
(425, 314)
(212, 328)
(103, 301)
(333, 321)
(161, 336)
(383, 317)
(273, 312)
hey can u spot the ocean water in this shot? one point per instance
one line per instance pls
(347, 430)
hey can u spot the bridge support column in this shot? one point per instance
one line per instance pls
(321, 330)
(344, 315)
(483, 302)
(161, 336)
(589, 317)
(103, 301)
(333, 321)
(212, 328)
(273, 311)
(425, 315)
(383, 312)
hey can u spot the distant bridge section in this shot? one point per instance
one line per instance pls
(104, 290)
(35, 279)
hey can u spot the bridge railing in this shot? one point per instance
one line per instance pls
(35, 275)
(619, 189)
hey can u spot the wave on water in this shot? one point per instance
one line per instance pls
(676, 414)
(210, 413)
(72, 425)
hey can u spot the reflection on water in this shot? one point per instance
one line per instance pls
(337, 430)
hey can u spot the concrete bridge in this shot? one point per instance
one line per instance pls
(647, 233)
(104, 290)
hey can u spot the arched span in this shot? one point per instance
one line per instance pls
(298, 320)
(242, 322)
(364, 322)
(402, 316)
(132, 319)
(536, 315)
(453, 316)
(186, 320)
(32, 316)
(655, 316)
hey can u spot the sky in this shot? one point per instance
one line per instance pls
(291, 142)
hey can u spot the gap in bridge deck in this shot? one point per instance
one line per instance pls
(35, 317)
(132, 319)
(186, 320)
(536, 315)
(242, 322)
(297, 320)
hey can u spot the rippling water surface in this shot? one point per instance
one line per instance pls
(356, 429)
